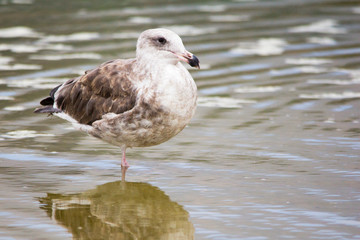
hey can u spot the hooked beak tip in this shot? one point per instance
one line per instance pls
(190, 58)
(194, 62)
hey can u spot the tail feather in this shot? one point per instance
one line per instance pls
(48, 103)
(47, 109)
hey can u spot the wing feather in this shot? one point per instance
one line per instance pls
(106, 89)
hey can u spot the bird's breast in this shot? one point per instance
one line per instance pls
(176, 91)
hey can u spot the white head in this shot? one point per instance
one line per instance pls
(160, 43)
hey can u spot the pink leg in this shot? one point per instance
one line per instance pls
(123, 172)
(124, 163)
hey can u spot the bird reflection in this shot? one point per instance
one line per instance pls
(120, 210)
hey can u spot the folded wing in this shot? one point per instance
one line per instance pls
(106, 89)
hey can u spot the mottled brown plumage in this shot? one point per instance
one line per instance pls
(102, 90)
(135, 102)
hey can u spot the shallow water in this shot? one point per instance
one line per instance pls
(272, 152)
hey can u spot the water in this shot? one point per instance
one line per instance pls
(272, 152)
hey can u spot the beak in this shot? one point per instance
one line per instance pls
(190, 58)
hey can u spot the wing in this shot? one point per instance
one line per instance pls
(106, 89)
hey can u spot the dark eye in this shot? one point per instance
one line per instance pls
(161, 40)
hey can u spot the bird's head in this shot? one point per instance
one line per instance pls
(164, 44)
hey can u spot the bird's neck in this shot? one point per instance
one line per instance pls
(148, 59)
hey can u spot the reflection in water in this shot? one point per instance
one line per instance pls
(120, 210)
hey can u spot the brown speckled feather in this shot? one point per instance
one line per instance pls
(103, 90)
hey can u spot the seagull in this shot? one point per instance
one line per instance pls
(137, 102)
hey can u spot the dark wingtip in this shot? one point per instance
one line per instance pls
(47, 101)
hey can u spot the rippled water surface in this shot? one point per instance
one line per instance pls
(272, 152)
